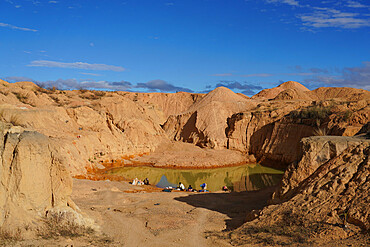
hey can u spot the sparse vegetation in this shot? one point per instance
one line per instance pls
(99, 93)
(93, 95)
(52, 89)
(292, 228)
(345, 116)
(10, 236)
(56, 99)
(314, 114)
(82, 90)
(42, 89)
(60, 224)
(320, 132)
(4, 92)
(12, 118)
(15, 120)
(21, 97)
(135, 97)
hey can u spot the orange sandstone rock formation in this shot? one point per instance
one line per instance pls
(34, 181)
(323, 198)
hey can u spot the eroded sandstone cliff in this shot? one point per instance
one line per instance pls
(34, 182)
(323, 196)
(95, 127)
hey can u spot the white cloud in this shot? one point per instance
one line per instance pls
(289, 2)
(93, 74)
(18, 78)
(333, 18)
(354, 4)
(223, 74)
(323, 14)
(119, 86)
(161, 85)
(68, 84)
(357, 77)
(258, 75)
(75, 65)
(17, 28)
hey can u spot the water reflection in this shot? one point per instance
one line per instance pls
(240, 178)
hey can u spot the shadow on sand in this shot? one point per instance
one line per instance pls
(235, 204)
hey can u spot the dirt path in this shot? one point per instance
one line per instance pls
(197, 232)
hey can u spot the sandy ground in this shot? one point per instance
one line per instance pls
(159, 218)
(128, 215)
(136, 216)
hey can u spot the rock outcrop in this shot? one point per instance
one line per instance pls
(346, 93)
(33, 180)
(274, 92)
(330, 183)
(324, 196)
(95, 127)
(165, 104)
(205, 122)
(89, 126)
(314, 152)
(293, 94)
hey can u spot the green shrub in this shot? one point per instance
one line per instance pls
(312, 112)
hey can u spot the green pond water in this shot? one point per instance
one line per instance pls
(238, 178)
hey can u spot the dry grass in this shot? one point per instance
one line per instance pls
(61, 224)
(93, 95)
(42, 89)
(21, 97)
(12, 118)
(56, 99)
(24, 98)
(320, 132)
(99, 93)
(10, 236)
(291, 229)
(4, 92)
(15, 120)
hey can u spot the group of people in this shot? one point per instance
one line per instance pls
(181, 186)
(190, 188)
(139, 182)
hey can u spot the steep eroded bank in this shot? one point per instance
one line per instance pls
(323, 199)
(35, 185)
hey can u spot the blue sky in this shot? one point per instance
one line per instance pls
(185, 45)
